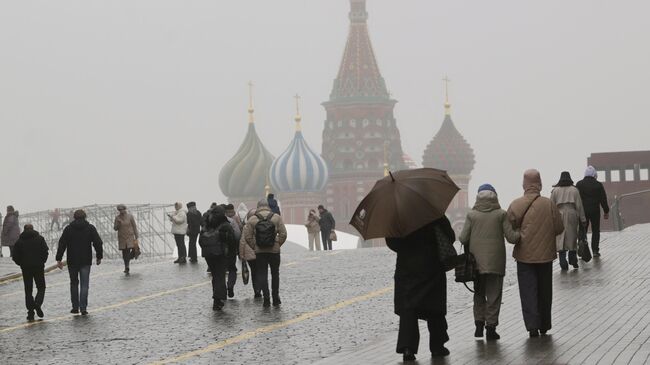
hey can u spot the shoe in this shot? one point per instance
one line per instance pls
(533, 333)
(217, 306)
(74, 311)
(267, 303)
(543, 332)
(194, 261)
(257, 295)
(492, 333)
(408, 355)
(596, 254)
(178, 261)
(276, 302)
(126, 271)
(575, 266)
(440, 352)
(84, 313)
(479, 329)
(231, 293)
(39, 312)
(30, 316)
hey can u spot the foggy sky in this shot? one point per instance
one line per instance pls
(144, 101)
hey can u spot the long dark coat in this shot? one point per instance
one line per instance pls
(420, 280)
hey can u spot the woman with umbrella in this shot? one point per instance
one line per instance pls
(408, 208)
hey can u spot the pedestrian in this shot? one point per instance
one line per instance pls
(593, 197)
(313, 230)
(568, 201)
(273, 204)
(327, 226)
(179, 230)
(421, 288)
(56, 216)
(127, 235)
(194, 222)
(485, 231)
(78, 239)
(214, 243)
(539, 222)
(30, 253)
(265, 233)
(233, 249)
(247, 254)
(10, 229)
(206, 216)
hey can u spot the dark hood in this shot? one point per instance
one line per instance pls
(29, 234)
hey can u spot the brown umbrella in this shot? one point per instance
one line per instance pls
(403, 202)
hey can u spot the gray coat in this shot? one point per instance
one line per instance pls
(10, 229)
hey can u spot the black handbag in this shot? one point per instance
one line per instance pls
(447, 254)
(245, 273)
(466, 271)
(583, 246)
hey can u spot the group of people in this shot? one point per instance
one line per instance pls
(540, 228)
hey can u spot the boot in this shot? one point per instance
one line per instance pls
(573, 259)
(408, 355)
(39, 312)
(267, 303)
(440, 352)
(533, 333)
(231, 292)
(30, 315)
(492, 333)
(479, 329)
(217, 305)
(564, 265)
(276, 301)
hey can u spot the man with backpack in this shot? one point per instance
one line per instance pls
(214, 242)
(265, 233)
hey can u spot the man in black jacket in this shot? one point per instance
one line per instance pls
(78, 239)
(593, 196)
(30, 253)
(327, 225)
(194, 220)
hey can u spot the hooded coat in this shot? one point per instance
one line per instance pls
(420, 279)
(127, 231)
(10, 229)
(484, 231)
(179, 222)
(79, 238)
(593, 195)
(249, 231)
(30, 251)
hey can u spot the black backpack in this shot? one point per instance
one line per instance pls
(265, 233)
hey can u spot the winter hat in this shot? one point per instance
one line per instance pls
(191, 204)
(565, 179)
(591, 172)
(121, 207)
(487, 187)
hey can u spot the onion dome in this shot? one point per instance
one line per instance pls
(449, 150)
(299, 168)
(246, 174)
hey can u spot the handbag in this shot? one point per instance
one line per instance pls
(467, 270)
(136, 249)
(583, 246)
(333, 237)
(245, 273)
(447, 254)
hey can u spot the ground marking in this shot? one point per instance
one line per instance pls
(270, 328)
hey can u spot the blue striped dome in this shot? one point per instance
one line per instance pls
(299, 169)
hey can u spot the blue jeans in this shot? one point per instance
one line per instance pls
(79, 274)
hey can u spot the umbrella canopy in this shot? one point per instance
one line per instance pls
(403, 202)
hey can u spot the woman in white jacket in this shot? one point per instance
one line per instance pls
(179, 230)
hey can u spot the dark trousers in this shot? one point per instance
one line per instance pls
(127, 255)
(327, 242)
(252, 265)
(192, 244)
(264, 262)
(180, 243)
(79, 274)
(33, 275)
(593, 220)
(231, 267)
(573, 257)
(409, 332)
(217, 266)
(536, 292)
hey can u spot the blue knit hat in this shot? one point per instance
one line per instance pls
(487, 187)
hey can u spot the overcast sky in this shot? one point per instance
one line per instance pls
(144, 100)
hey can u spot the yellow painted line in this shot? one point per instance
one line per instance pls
(262, 330)
(108, 307)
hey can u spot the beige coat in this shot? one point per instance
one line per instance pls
(485, 228)
(249, 232)
(312, 224)
(127, 231)
(569, 203)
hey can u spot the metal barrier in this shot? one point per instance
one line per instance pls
(619, 220)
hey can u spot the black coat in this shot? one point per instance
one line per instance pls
(78, 238)
(593, 196)
(420, 280)
(327, 222)
(273, 204)
(194, 222)
(217, 242)
(30, 250)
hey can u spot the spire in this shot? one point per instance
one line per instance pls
(251, 117)
(298, 117)
(447, 105)
(358, 13)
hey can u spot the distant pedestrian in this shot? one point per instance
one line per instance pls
(593, 197)
(214, 243)
(539, 222)
(78, 239)
(327, 226)
(10, 229)
(127, 235)
(30, 253)
(485, 228)
(265, 233)
(273, 204)
(233, 249)
(55, 215)
(247, 254)
(421, 288)
(313, 230)
(179, 230)
(194, 221)
(568, 201)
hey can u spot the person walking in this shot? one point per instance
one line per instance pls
(265, 233)
(10, 229)
(78, 239)
(594, 196)
(214, 242)
(194, 222)
(127, 235)
(539, 222)
(56, 216)
(247, 254)
(313, 230)
(421, 288)
(30, 253)
(568, 201)
(273, 204)
(233, 249)
(485, 228)
(179, 230)
(327, 226)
